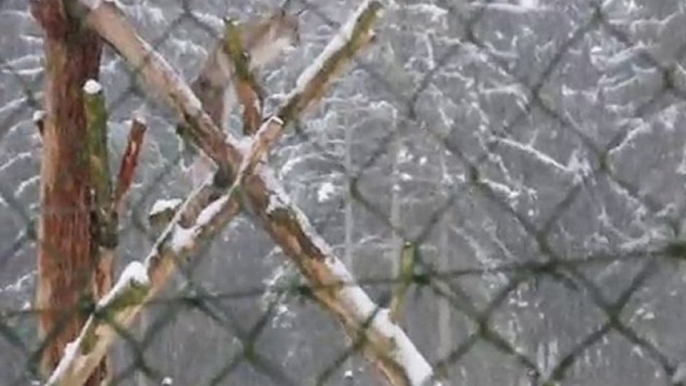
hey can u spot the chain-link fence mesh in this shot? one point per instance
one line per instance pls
(531, 154)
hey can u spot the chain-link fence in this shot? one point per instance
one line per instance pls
(516, 168)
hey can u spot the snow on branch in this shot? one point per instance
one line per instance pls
(140, 282)
(111, 24)
(117, 307)
(353, 36)
(385, 344)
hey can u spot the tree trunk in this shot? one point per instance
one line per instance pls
(65, 258)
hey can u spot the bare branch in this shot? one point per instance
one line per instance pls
(386, 345)
(111, 24)
(129, 161)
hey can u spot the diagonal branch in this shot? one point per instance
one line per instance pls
(386, 345)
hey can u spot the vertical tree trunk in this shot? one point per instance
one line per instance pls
(65, 259)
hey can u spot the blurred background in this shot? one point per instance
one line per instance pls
(534, 151)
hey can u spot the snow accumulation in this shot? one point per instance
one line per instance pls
(70, 350)
(278, 198)
(182, 237)
(406, 354)
(135, 273)
(92, 87)
(38, 115)
(325, 192)
(418, 369)
(140, 114)
(91, 4)
(19, 284)
(212, 210)
(524, 6)
(164, 205)
(533, 152)
(341, 39)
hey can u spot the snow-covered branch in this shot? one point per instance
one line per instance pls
(385, 344)
(119, 307)
(313, 83)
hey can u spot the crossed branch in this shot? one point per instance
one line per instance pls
(215, 203)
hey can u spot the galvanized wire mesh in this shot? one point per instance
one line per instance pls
(533, 152)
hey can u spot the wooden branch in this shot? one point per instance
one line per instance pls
(98, 160)
(104, 221)
(315, 81)
(386, 345)
(129, 161)
(176, 244)
(110, 23)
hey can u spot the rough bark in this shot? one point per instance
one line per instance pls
(65, 258)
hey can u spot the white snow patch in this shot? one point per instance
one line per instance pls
(538, 155)
(140, 114)
(39, 115)
(91, 4)
(21, 188)
(212, 210)
(70, 350)
(25, 156)
(135, 274)
(243, 144)
(92, 87)
(525, 6)
(325, 192)
(279, 198)
(164, 205)
(19, 284)
(434, 12)
(578, 166)
(500, 188)
(167, 381)
(182, 238)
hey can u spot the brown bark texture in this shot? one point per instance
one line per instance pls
(65, 260)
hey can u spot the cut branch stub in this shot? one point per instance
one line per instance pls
(129, 161)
